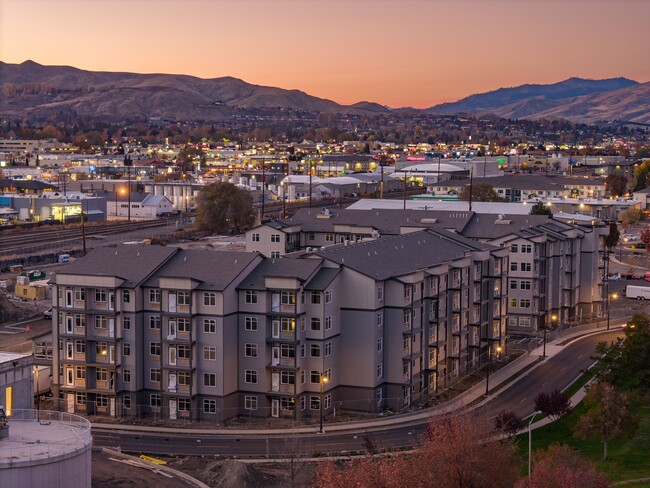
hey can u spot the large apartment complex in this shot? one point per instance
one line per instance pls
(383, 323)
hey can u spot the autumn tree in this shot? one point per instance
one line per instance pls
(616, 185)
(454, 452)
(509, 423)
(559, 466)
(554, 404)
(645, 237)
(610, 240)
(631, 216)
(642, 176)
(222, 207)
(481, 192)
(541, 209)
(607, 415)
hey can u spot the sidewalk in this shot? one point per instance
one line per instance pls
(501, 378)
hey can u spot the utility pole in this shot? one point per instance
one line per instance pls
(471, 180)
(310, 176)
(263, 184)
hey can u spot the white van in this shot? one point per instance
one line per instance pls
(638, 292)
(64, 258)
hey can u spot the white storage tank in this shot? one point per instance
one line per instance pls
(45, 449)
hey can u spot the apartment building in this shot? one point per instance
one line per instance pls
(157, 331)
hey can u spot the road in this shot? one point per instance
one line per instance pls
(557, 371)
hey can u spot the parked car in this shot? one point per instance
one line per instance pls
(634, 275)
(615, 277)
(48, 314)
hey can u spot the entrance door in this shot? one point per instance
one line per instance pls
(172, 408)
(70, 402)
(275, 355)
(172, 330)
(111, 300)
(275, 381)
(275, 407)
(275, 329)
(69, 324)
(112, 406)
(68, 298)
(172, 302)
(111, 327)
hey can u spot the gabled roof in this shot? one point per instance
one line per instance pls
(322, 280)
(394, 256)
(490, 226)
(132, 263)
(301, 269)
(155, 200)
(213, 270)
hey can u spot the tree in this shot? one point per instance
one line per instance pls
(509, 423)
(559, 466)
(541, 209)
(645, 237)
(616, 185)
(481, 192)
(607, 415)
(626, 362)
(611, 239)
(455, 452)
(554, 404)
(222, 207)
(294, 455)
(641, 174)
(631, 216)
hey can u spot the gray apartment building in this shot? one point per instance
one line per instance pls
(385, 323)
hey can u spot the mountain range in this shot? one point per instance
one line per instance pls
(36, 92)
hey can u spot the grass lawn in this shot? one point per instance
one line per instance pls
(628, 458)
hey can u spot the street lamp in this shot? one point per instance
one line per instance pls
(323, 380)
(530, 441)
(38, 396)
(620, 249)
(487, 378)
(609, 299)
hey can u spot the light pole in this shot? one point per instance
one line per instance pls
(530, 441)
(609, 299)
(487, 378)
(620, 249)
(38, 396)
(323, 380)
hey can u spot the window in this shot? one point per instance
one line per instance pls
(380, 319)
(275, 254)
(101, 374)
(183, 351)
(275, 237)
(526, 266)
(328, 349)
(525, 285)
(287, 324)
(210, 326)
(209, 379)
(255, 237)
(80, 347)
(328, 296)
(250, 350)
(315, 297)
(314, 350)
(380, 370)
(250, 376)
(329, 237)
(80, 294)
(288, 298)
(407, 318)
(250, 296)
(126, 323)
(250, 402)
(80, 372)
(101, 349)
(287, 403)
(314, 377)
(514, 248)
(314, 403)
(303, 375)
(126, 296)
(184, 404)
(100, 295)
(183, 324)
(154, 322)
(100, 322)
(513, 284)
(127, 402)
(527, 248)
(311, 236)
(80, 320)
(315, 323)
(287, 377)
(328, 323)
(210, 353)
(302, 350)
(287, 351)
(209, 298)
(154, 375)
(209, 406)
(512, 302)
(183, 378)
(303, 403)
(380, 344)
(154, 348)
(513, 266)
(155, 401)
(80, 398)
(154, 296)
(407, 292)
(524, 303)
(126, 349)
(524, 321)
(126, 376)
(250, 323)
(380, 293)
(328, 401)
(183, 298)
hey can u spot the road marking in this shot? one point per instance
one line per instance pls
(562, 369)
(523, 400)
(580, 356)
(544, 384)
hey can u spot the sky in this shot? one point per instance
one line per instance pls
(394, 52)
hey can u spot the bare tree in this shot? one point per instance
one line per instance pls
(294, 454)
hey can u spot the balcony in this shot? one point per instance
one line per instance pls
(282, 389)
(283, 363)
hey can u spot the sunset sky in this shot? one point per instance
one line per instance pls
(394, 52)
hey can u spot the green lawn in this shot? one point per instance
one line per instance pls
(628, 458)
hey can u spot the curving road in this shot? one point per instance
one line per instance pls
(558, 371)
